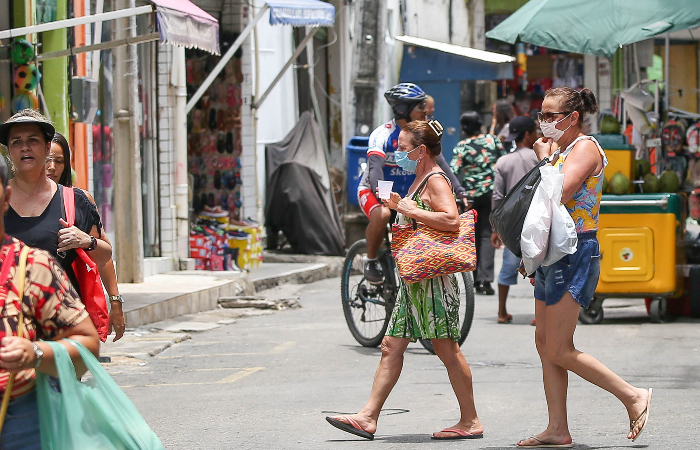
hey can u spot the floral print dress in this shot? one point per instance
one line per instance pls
(473, 163)
(428, 309)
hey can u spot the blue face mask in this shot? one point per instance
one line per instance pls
(403, 161)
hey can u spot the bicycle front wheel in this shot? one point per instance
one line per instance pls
(466, 309)
(366, 311)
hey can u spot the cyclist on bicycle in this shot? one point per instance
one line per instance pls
(408, 102)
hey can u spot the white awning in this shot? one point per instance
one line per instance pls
(481, 55)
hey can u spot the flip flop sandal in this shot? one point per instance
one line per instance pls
(211, 201)
(224, 200)
(203, 200)
(229, 142)
(542, 444)
(203, 179)
(226, 179)
(228, 120)
(231, 95)
(202, 164)
(461, 434)
(644, 414)
(196, 205)
(197, 121)
(220, 123)
(206, 102)
(212, 119)
(221, 142)
(353, 427)
(217, 179)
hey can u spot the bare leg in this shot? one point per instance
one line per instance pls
(502, 297)
(461, 380)
(556, 381)
(385, 379)
(378, 219)
(559, 325)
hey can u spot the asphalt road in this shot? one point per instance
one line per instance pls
(267, 382)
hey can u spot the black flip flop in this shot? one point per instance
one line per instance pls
(350, 428)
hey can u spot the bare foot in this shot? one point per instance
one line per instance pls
(367, 423)
(505, 319)
(638, 413)
(473, 428)
(545, 438)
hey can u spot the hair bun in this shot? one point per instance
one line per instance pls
(590, 105)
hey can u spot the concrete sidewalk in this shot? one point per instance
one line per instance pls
(173, 294)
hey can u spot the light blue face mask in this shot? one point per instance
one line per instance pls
(403, 161)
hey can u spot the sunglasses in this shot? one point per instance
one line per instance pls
(547, 117)
(420, 107)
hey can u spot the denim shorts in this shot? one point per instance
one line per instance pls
(21, 428)
(577, 273)
(509, 270)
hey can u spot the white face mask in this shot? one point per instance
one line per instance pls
(550, 130)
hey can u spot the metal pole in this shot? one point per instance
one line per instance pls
(96, 39)
(667, 71)
(182, 200)
(225, 59)
(297, 52)
(312, 90)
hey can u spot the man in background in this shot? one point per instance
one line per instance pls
(510, 169)
(429, 106)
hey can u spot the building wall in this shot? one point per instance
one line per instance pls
(430, 19)
(166, 153)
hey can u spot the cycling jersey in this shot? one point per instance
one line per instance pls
(383, 142)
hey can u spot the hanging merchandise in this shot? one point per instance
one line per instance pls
(693, 138)
(23, 100)
(27, 77)
(22, 52)
(2, 101)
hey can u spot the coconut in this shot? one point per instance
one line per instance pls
(606, 185)
(643, 168)
(619, 183)
(651, 184)
(609, 125)
(668, 182)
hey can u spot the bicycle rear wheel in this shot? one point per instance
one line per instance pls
(366, 310)
(466, 309)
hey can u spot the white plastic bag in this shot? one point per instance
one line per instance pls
(534, 238)
(562, 233)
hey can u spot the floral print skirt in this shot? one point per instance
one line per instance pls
(427, 309)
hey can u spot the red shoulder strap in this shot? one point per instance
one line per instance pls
(69, 204)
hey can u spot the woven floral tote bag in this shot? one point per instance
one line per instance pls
(422, 252)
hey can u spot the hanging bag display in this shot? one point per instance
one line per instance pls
(88, 276)
(507, 220)
(422, 252)
(21, 275)
(95, 414)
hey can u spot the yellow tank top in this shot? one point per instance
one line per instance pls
(584, 206)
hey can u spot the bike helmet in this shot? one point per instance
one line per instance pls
(403, 98)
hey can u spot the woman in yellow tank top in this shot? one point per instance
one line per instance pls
(562, 288)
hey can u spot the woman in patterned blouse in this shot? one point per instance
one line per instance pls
(52, 311)
(473, 162)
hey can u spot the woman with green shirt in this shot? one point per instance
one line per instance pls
(473, 162)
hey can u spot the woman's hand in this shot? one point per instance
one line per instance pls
(116, 320)
(544, 147)
(392, 202)
(71, 237)
(407, 207)
(16, 354)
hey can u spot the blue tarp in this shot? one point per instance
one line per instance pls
(300, 13)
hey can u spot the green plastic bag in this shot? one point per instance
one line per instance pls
(88, 415)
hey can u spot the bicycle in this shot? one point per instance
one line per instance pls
(367, 307)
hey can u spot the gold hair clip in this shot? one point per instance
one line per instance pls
(436, 126)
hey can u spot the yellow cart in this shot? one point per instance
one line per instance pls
(642, 254)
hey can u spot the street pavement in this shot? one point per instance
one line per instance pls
(266, 380)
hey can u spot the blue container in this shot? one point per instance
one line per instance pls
(356, 156)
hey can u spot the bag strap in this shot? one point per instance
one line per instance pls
(421, 186)
(21, 274)
(69, 204)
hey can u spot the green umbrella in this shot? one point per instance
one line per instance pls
(596, 27)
